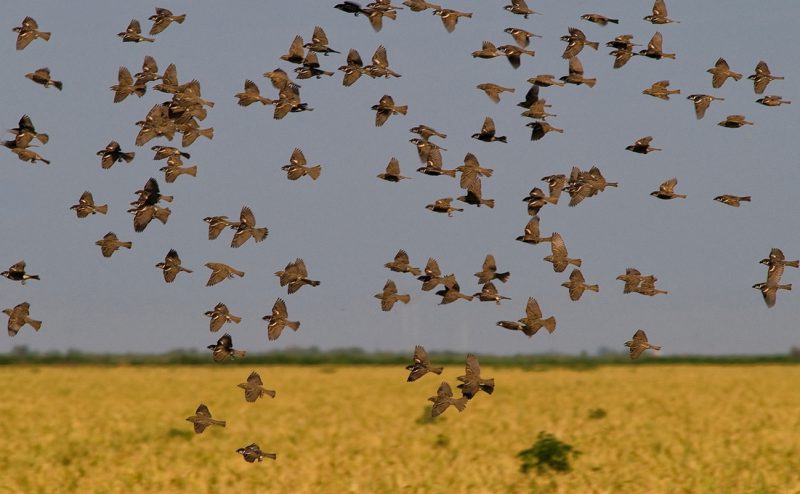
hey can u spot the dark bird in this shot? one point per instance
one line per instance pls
(487, 133)
(519, 7)
(17, 273)
(489, 272)
(86, 206)
(432, 277)
(319, 42)
(474, 195)
(514, 54)
(559, 256)
(202, 419)
(219, 316)
(732, 200)
(762, 77)
(444, 398)
(451, 291)
(443, 206)
(493, 91)
(254, 388)
(29, 31)
(296, 53)
(297, 168)
(621, 56)
(472, 381)
(421, 365)
(25, 132)
(642, 146)
(386, 108)
(772, 101)
(125, 86)
(20, 316)
(294, 276)
(224, 349)
(450, 17)
(311, 68)
(639, 344)
(536, 200)
(521, 36)
(133, 33)
(218, 223)
(171, 266)
(577, 285)
(42, 76)
(654, 48)
(401, 264)
(246, 228)
(277, 320)
(532, 235)
(720, 73)
(661, 90)
(252, 95)
(221, 272)
(420, 5)
(150, 194)
(163, 18)
(734, 122)
(701, 103)
(489, 293)
(575, 75)
(113, 153)
(350, 8)
(599, 19)
(659, 15)
(392, 173)
(539, 129)
(389, 296)
(110, 243)
(584, 184)
(488, 50)
(667, 190)
(252, 453)
(380, 65)
(354, 68)
(576, 40)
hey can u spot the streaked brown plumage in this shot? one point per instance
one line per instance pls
(575, 74)
(776, 262)
(720, 73)
(559, 256)
(769, 291)
(251, 94)
(144, 214)
(110, 243)
(443, 206)
(277, 320)
(519, 7)
(150, 194)
(474, 195)
(654, 48)
(576, 40)
(223, 349)
(311, 68)
(642, 146)
(420, 5)
(113, 153)
(772, 101)
(537, 111)
(219, 316)
(514, 54)
(133, 33)
(444, 398)
(450, 17)
(380, 65)
(17, 273)
(734, 122)
(172, 266)
(296, 168)
(659, 15)
(386, 108)
(296, 53)
(254, 388)
(25, 132)
(426, 132)
(488, 131)
(376, 15)
(647, 286)
(702, 102)
(583, 184)
(488, 50)
(125, 86)
(451, 291)
(556, 184)
(221, 272)
(536, 200)
(599, 19)
(252, 453)
(294, 276)
(218, 223)
(433, 163)
(521, 36)
(489, 293)
(42, 76)
(531, 234)
(762, 77)
(172, 172)
(202, 419)
(539, 129)
(20, 316)
(432, 277)
(29, 155)
(732, 200)
(421, 365)
(489, 272)
(29, 31)
(639, 344)
(401, 264)
(667, 190)
(389, 296)
(246, 228)
(149, 72)
(577, 285)
(633, 278)
(319, 42)
(353, 69)
(163, 18)
(471, 381)
(545, 80)
(493, 91)
(392, 173)
(86, 206)
(533, 321)
(661, 90)
(621, 56)
(289, 102)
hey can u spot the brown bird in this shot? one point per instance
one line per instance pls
(659, 15)
(251, 95)
(380, 65)
(163, 18)
(218, 223)
(252, 453)
(493, 91)
(42, 76)
(734, 122)
(224, 349)
(539, 129)
(556, 184)
(533, 321)
(647, 286)
(254, 389)
(421, 365)
(521, 36)
(443, 206)
(545, 80)
(622, 42)
(537, 199)
(150, 194)
(354, 68)
(429, 153)
(599, 19)
(732, 200)
(311, 68)
(654, 48)
(125, 86)
(149, 72)
(109, 244)
(769, 291)
(202, 419)
(661, 90)
(29, 31)
(642, 146)
(621, 56)
(392, 173)
(426, 132)
(575, 75)
(487, 133)
(389, 296)
(220, 272)
(474, 195)
(432, 277)
(577, 285)
(294, 276)
(639, 344)
(433, 164)
(559, 254)
(386, 108)
(586, 184)
(319, 42)
(401, 264)
(772, 101)
(489, 272)
(113, 153)
(296, 53)
(277, 320)
(576, 40)
(172, 172)
(420, 5)
(633, 278)
(519, 7)
(776, 262)
(762, 77)
(537, 111)
(25, 132)
(376, 15)
(219, 316)
(667, 190)
(17, 273)
(701, 103)
(246, 228)
(289, 102)
(171, 266)
(279, 79)
(488, 50)
(451, 291)
(133, 33)
(720, 73)
(20, 316)
(29, 155)
(450, 17)
(444, 398)
(297, 168)
(86, 206)
(489, 293)
(514, 54)
(532, 235)
(472, 381)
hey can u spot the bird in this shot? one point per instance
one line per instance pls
(42, 76)
(769, 291)
(389, 296)
(289, 102)
(420, 5)
(489, 272)
(277, 320)
(537, 111)
(667, 190)
(639, 344)
(26, 132)
(762, 77)
(661, 90)
(251, 94)
(125, 86)
(732, 200)
(218, 223)
(246, 228)
(702, 102)
(319, 42)
(647, 286)
(17, 273)
(488, 50)
(531, 234)
(202, 419)
(149, 72)
(172, 172)
(471, 381)
(172, 266)
(521, 36)
(577, 285)
(29, 155)
(223, 349)
(432, 277)
(219, 316)
(426, 132)
(487, 133)
(584, 184)
(433, 164)
(443, 206)
(421, 365)
(252, 453)
(654, 48)
(621, 56)
(386, 108)
(772, 101)
(380, 65)
(133, 33)
(576, 40)
(559, 256)
(401, 264)
(20, 316)
(296, 53)
(163, 18)
(659, 15)
(113, 153)
(296, 168)
(354, 68)
(519, 7)
(254, 388)
(545, 80)
(556, 184)
(376, 15)
(444, 398)
(350, 8)
(450, 17)
(392, 173)
(533, 320)
(599, 19)
(642, 146)
(294, 276)
(720, 73)
(474, 195)
(493, 91)
(734, 122)
(451, 291)
(514, 54)
(86, 206)
(539, 129)
(221, 272)
(632, 278)
(110, 243)
(311, 68)
(776, 262)
(536, 200)
(575, 74)
(29, 31)
(489, 293)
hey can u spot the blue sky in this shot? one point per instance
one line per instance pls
(348, 224)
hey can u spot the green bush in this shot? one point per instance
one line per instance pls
(547, 453)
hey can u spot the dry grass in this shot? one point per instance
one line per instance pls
(671, 429)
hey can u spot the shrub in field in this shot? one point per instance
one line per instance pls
(597, 413)
(547, 453)
(426, 417)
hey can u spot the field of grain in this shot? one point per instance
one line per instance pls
(675, 429)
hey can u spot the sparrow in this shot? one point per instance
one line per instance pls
(221, 272)
(426, 132)
(433, 164)
(296, 53)
(246, 228)
(297, 168)
(521, 36)
(489, 272)
(376, 15)
(380, 65)
(489, 293)
(539, 129)
(536, 200)
(163, 18)
(531, 235)
(734, 122)
(149, 72)
(621, 56)
(251, 95)
(432, 277)
(444, 398)
(661, 90)
(150, 194)
(451, 291)
(577, 285)
(350, 8)
(474, 195)
(647, 286)
(599, 19)
(20, 316)
(659, 15)
(389, 296)
(42, 76)
(385, 108)
(171, 266)
(113, 153)
(488, 50)
(471, 381)
(279, 79)
(776, 262)
(29, 31)
(533, 321)
(487, 133)
(701, 103)
(576, 40)
(622, 42)
(732, 200)
(443, 206)
(537, 111)
(639, 344)
(252, 453)
(556, 184)
(202, 419)
(545, 80)
(632, 278)
(224, 349)
(25, 132)
(294, 276)
(125, 86)
(450, 17)
(254, 388)
(17, 273)
(772, 101)
(493, 91)
(421, 365)
(720, 73)
(218, 223)
(172, 172)
(400, 264)
(289, 102)
(219, 316)
(392, 173)
(769, 291)
(133, 34)
(28, 155)
(654, 49)
(354, 68)
(109, 244)
(519, 7)
(514, 54)
(86, 206)
(575, 75)
(559, 254)
(319, 42)
(762, 77)
(586, 184)
(277, 320)
(642, 146)
(667, 190)
(310, 68)
(420, 5)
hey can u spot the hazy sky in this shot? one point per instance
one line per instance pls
(348, 224)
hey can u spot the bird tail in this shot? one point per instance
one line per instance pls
(503, 277)
(681, 196)
(128, 157)
(44, 36)
(501, 139)
(163, 214)
(668, 55)
(736, 76)
(271, 394)
(460, 403)
(487, 385)
(43, 138)
(591, 83)
(655, 347)
(436, 370)
(208, 133)
(192, 170)
(179, 18)
(312, 282)
(488, 202)
(36, 325)
(593, 288)
(786, 287)
(236, 354)
(271, 456)
(127, 245)
(593, 44)
(404, 298)
(59, 85)
(549, 324)
(414, 271)
(793, 264)
(655, 149)
(102, 209)
(613, 21)
(449, 173)
(576, 262)
(220, 423)
(260, 234)
(391, 14)
(470, 297)
(167, 198)
(314, 171)
(238, 273)
(401, 109)
(675, 91)
(747, 199)
(235, 319)
(294, 325)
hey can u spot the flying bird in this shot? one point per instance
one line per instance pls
(42, 76)
(294, 276)
(252, 453)
(254, 388)
(319, 42)
(577, 285)
(514, 54)
(559, 256)
(489, 293)
(444, 398)
(277, 320)
(421, 365)
(223, 349)
(86, 206)
(246, 228)
(493, 91)
(599, 19)
(133, 33)
(163, 18)
(17, 273)
(639, 344)
(576, 40)
(487, 133)
(575, 74)
(354, 68)
(451, 291)
(531, 234)
(661, 90)
(471, 381)
(432, 277)
(732, 200)
(401, 264)
(642, 146)
(521, 36)
(720, 73)
(443, 206)
(772, 101)
(386, 108)
(667, 190)
(20, 316)
(202, 419)
(251, 94)
(171, 266)
(218, 223)
(450, 17)
(125, 86)
(488, 50)
(113, 153)
(489, 272)
(762, 77)
(659, 15)
(702, 102)
(654, 48)
(392, 173)
(297, 168)
(389, 296)
(219, 316)
(221, 272)
(519, 7)
(29, 31)
(539, 129)
(110, 243)
(734, 122)
(296, 53)
(380, 65)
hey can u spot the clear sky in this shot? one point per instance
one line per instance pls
(348, 223)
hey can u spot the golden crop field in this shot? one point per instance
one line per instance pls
(668, 429)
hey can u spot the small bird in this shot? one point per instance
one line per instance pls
(474, 195)
(769, 291)
(113, 153)
(776, 262)
(86, 206)
(420, 5)
(350, 8)
(444, 398)
(642, 146)
(537, 199)
(29, 31)
(254, 388)
(319, 42)
(163, 18)
(471, 170)
(42, 76)
(171, 266)
(20, 316)
(389, 296)
(219, 316)
(493, 91)
(433, 163)
(224, 349)
(599, 19)
(586, 184)
(311, 68)
(621, 56)
(556, 184)
(632, 278)
(125, 86)
(639, 344)
(654, 48)
(521, 36)
(488, 50)
(545, 80)
(622, 42)
(25, 132)
(150, 194)
(296, 168)
(218, 223)
(251, 95)
(432, 277)
(732, 200)
(514, 54)
(533, 321)
(294, 276)
(421, 365)
(17, 273)
(577, 285)
(575, 75)
(661, 90)
(246, 228)
(701, 103)
(559, 256)
(110, 243)
(772, 101)
(277, 320)
(539, 129)
(401, 264)
(472, 381)
(172, 172)
(221, 272)
(380, 65)
(426, 132)
(392, 173)
(659, 15)
(450, 17)
(489, 293)
(531, 234)
(537, 111)
(762, 77)
(647, 286)
(734, 122)
(354, 68)
(720, 73)
(451, 291)
(252, 453)
(171, 154)
(149, 72)
(443, 206)
(202, 419)
(133, 33)
(386, 108)
(667, 190)
(28, 155)
(519, 7)
(296, 53)
(576, 40)
(489, 272)
(376, 15)
(487, 133)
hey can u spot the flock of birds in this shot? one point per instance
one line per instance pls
(186, 109)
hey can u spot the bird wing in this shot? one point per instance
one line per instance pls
(532, 310)
(379, 58)
(393, 168)
(669, 186)
(489, 263)
(247, 218)
(319, 36)
(557, 246)
(655, 42)
(254, 378)
(575, 66)
(279, 309)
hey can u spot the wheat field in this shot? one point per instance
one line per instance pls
(342, 429)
